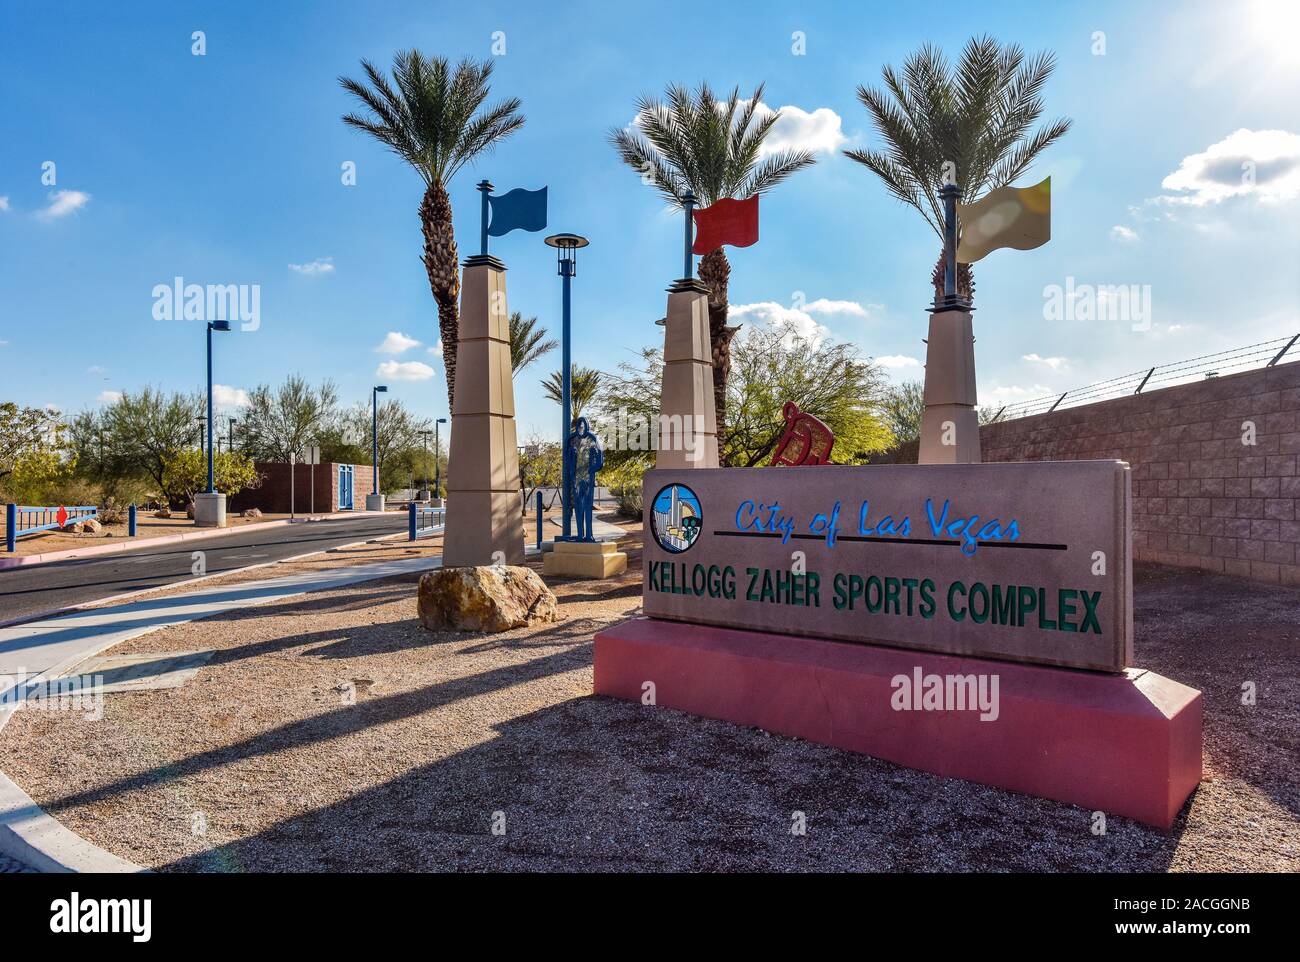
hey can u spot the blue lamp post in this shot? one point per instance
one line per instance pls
(374, 433)
(212, 326)
(437, 464)
(566, 246)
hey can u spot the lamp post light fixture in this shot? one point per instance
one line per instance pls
(424, 478)
(210, 506)
(566, 247)
(374, 446)
(437, 461)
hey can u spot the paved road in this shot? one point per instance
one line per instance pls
(30, 590)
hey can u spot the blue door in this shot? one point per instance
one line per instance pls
(345, 487)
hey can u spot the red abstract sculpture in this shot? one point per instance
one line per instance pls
(806, 439)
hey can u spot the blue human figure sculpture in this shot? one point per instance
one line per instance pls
(584, 458)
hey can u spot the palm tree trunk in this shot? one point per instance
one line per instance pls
(965, 281)
(715, 272)
(440, 262)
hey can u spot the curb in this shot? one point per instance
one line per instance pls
(20, 561)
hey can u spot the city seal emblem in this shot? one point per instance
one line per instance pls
(676, 517)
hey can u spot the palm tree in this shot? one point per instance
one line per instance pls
(528, 342)
(433, 118)
(714, 150)
(976, 118)
(584, 383)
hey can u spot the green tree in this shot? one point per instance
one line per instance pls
(584, 384)
(24, 430)
(713, 149)
(185, 473)
(286, 420)
(976, 117)
(143, 430)
(772, 365)
(904, 405)
(400, 446)
(434, 118)
(528, 342)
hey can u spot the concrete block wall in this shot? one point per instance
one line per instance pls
(1202, 496)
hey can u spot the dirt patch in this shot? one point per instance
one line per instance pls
(333, 733)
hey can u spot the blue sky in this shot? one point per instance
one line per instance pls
(225, 169)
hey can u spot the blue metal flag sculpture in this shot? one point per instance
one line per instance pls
(517, 210)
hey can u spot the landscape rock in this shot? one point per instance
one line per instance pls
(484, 598)
(86, 526)
(163, 513)
(252, 513)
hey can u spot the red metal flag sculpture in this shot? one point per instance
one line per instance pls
(807, 440)
(728, 221)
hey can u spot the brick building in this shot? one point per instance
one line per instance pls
(339, 487)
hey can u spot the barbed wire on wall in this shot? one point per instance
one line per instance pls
(1233, 361)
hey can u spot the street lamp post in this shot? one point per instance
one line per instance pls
(566, 246)
(424, 438)
(437, 459)
(375, 500)
(230, 441)
(210, 507)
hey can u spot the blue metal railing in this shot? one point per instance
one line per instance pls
(21, 521)
(423, 520)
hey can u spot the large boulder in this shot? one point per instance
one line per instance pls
(484, 598)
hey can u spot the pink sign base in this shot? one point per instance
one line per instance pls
(1124, 744)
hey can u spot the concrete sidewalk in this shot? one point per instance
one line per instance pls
(47, 648)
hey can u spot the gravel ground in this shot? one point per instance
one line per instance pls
(332, 733)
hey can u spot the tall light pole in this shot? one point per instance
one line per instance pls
(210, 505)
(424, 438)
(230, 442)
(374, 433)
(437, 460)
(566, 247)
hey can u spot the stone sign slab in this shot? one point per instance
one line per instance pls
(1028, 562)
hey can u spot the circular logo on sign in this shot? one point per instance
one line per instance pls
(676, 517)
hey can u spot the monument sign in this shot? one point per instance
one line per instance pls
(1027, 562)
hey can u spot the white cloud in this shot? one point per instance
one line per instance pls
(108, 397)
(395, 343)
(225, 397)
(893, 361)
(1010, 393)
(817, 131)
(1263, 163)
(96, 369)
(772, 314)
(404, 371)
(4, 202)
(824, 306)
(4, 343)
(1126, 234)
(62, 203)
(436, 350)
(321, 265)
(1055, 363)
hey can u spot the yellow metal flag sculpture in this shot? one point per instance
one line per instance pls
(1019, 217)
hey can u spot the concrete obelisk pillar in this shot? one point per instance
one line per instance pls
(950, 431)
(688, 423)
(484, 505)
